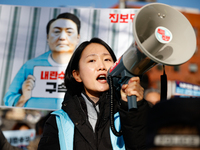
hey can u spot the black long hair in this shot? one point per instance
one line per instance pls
(74, 87)
(66, 15)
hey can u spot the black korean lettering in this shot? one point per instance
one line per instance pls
(15, 140)
(27, 138)
(62, 88)
(53, 87)
(21, 139)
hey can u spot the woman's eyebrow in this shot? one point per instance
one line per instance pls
(97, 54)
(106, 53)
(91, 55)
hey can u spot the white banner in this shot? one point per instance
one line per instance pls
(23, 46)
(20, 138)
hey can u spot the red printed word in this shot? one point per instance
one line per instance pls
(164, 37)
(121, 18)
(52, 75)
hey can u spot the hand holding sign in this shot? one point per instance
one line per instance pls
(27, 88)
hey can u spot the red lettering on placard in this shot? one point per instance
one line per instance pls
(61, 75)
(53, 75)
(112, 16)
(132, 16)
(124, 18)
(121, 18)
(44, 75)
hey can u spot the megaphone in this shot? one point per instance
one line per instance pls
(162, 35)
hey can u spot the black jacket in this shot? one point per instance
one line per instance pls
(133, 125)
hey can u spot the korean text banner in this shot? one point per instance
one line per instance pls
(20, 138)
(26, 53)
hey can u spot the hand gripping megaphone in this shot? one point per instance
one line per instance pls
(162, 35)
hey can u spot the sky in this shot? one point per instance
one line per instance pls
(93, 3)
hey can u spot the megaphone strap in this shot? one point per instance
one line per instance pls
(163, 94)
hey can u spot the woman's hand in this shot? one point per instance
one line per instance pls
(132, 88)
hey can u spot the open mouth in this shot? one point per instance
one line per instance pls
(101, 77)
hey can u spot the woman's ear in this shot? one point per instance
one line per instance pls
(76, 75)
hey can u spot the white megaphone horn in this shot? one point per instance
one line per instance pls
(162, 35)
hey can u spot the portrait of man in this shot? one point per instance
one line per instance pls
(41, 74)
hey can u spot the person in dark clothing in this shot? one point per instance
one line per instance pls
(4, 144)
(174, 125)
(83, 123)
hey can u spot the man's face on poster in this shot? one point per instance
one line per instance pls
(63, 36)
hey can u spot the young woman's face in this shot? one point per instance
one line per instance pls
(93, 66)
